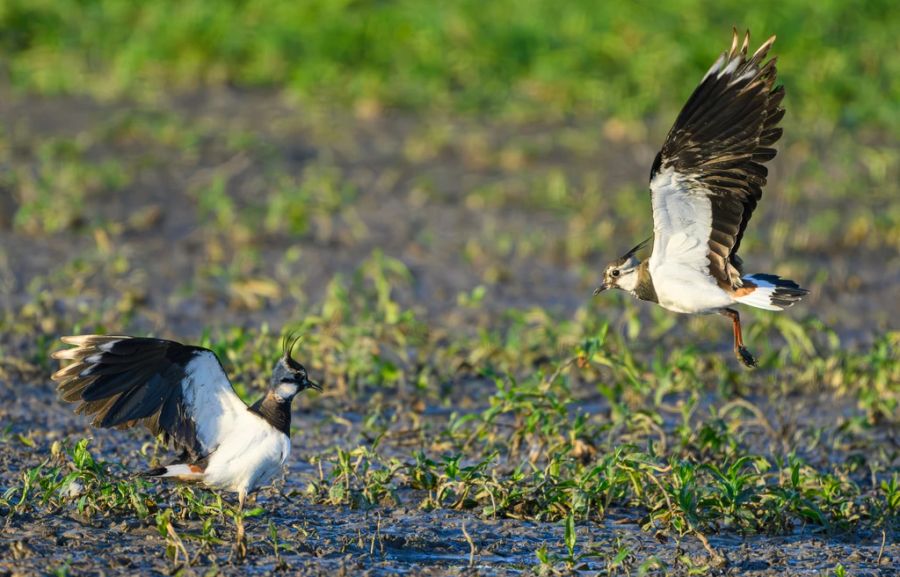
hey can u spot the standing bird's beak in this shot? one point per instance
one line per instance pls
(600, 289)
(311, 384)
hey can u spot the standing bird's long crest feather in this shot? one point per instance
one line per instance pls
(288, 343)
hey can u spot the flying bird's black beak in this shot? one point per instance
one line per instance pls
(600, 289)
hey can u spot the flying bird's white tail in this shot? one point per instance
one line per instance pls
(771, 292)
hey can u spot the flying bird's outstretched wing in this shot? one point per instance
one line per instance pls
(709, 175)
(178, 391)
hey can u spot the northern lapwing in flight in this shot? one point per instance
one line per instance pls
(704, 185)
(182, 393)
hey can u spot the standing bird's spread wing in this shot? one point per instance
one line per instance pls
(708, 177)
(178, 391)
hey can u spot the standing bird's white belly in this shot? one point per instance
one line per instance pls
(250, 456)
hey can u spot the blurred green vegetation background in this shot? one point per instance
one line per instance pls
(530, 125)
(524, 59)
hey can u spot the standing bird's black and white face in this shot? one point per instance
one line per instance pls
(289, 377)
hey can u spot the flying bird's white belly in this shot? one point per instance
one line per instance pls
(679, 264)
(690, 293)
(681, 278)
(249, 457)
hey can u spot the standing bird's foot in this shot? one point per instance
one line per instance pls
(239, 549)
(745, 357)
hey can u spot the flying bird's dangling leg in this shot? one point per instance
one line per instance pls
(740, 351)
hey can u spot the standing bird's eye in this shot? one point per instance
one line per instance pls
(615, 272)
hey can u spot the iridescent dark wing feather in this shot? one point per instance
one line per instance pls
(178, 391)
(717, 148)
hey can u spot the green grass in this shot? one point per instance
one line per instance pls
(535, 58)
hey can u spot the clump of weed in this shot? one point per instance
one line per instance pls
(72, 477)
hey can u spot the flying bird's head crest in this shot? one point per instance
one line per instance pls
(289, 377)
(622, 273)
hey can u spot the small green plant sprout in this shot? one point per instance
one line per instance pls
(571, 538)
(175, 548)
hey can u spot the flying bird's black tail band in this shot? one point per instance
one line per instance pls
(771, 292)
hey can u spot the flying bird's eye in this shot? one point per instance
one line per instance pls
(615, 272)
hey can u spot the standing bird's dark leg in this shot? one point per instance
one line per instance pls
(739, 350)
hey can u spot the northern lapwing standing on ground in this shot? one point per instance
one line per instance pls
(704, 185)
(182, 393)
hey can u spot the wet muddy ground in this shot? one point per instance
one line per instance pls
(395, 539)
(531, 213)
